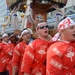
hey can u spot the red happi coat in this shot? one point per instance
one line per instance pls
(18, 55)
(34, 60)
(61, 59)
(3, 57)
(10, 50)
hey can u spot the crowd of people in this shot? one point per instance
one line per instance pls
(44, 55)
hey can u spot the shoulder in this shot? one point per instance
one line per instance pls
(58, 48)
(58, 44)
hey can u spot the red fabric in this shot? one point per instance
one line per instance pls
(3, 57)
(34, 60)
(18, 55)
(61, 59)
(9, 49)
(10, 70)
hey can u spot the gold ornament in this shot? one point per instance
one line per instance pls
(3, 25)
(25, 6)
(22, 15)
(6, 17)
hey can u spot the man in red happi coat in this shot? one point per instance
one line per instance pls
(61, 54)
(34, 59)
(3, 54)
(19, 51)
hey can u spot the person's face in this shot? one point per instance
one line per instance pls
(26, 37)
(68, 34)
(13, 39)
(6, 38)
(42, 30)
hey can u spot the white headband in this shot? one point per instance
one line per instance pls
(24, 31)
(4, 35)
(65, 23)
(43, 23)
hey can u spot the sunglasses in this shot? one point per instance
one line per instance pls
(42, 27)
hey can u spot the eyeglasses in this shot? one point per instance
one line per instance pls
(42, 27)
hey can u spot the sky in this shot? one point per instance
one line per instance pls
(3, 10)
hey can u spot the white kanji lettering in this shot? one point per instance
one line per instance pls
(30, 54)
(56, 51)
(56, 64)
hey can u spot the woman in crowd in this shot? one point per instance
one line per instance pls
(61, 55)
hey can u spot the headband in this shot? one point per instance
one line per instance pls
(24, 31)
(4, 35)
(43, 23)
(65, 23)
